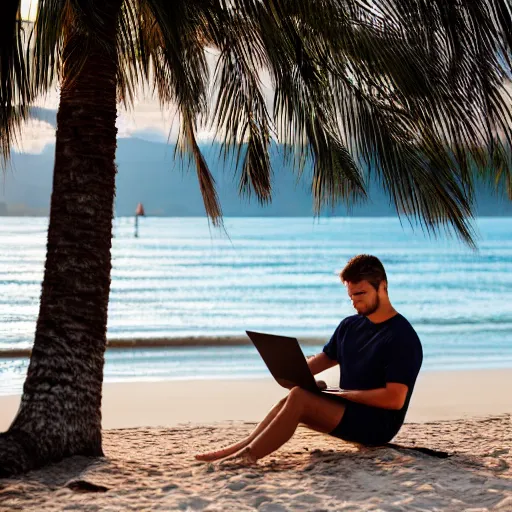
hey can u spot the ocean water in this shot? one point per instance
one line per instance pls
(181, 278)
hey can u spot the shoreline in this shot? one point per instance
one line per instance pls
(438, 396)
(196, 342)
(177, 342)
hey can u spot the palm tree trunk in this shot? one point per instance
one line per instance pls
(60, 411)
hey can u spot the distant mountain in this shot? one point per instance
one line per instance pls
(147, 173)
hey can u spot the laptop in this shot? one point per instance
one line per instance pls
(285, 361)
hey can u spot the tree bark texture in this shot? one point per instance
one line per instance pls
(60, 411)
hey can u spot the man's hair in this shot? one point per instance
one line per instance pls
(364, 268)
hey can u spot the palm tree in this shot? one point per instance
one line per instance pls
(408, 91)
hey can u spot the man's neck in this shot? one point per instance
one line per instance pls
(385, 312)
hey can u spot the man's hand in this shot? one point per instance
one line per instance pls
(321, 384)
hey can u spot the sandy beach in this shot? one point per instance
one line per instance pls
(154, 428)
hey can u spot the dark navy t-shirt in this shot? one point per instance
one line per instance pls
(370, 355)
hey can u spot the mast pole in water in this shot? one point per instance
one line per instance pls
(139, 212)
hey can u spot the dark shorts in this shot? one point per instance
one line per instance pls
(366, 425)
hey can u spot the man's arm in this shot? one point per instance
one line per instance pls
(320, 362)
(391, 397)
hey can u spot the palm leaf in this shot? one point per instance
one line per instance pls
(241, 115)
(15, 91)
(160, 42)
(495, 169)
(187, 144)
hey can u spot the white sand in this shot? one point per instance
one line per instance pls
(152, 469)
(148, 468)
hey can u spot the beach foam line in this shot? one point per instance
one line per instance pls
(187, 341)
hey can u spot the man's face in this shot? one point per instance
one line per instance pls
(364, 297)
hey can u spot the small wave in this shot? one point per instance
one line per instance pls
(484, 322)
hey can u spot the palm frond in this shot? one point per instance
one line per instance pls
(187, 145)
(408, 89)
(54, 17)
(411, 91)
(257, 169)
(177, 55)
(495, 169)
(303, 107)
(15, 90)
(240, 113)
(336, 176)
(437, 70)
(160, 42)
(129, 48)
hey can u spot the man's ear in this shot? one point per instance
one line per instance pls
(383, 287)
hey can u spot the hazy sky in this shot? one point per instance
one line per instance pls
(146, 121)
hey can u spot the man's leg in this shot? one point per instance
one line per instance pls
(315, 411)
(233, 448)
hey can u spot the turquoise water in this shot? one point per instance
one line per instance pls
(179, 279)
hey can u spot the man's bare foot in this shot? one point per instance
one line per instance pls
(244, 457)
(220, 454)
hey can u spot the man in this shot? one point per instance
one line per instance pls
(379, 354)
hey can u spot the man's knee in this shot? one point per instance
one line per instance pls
(296, 397)
(296, 391)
